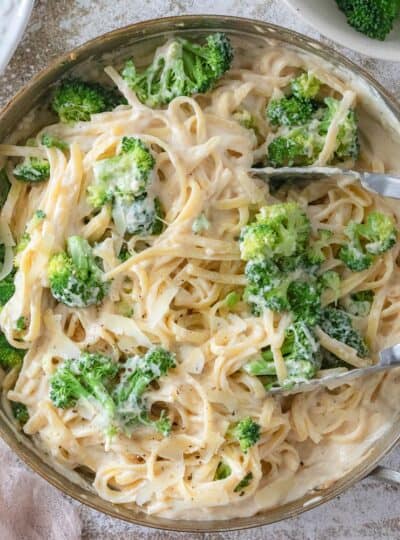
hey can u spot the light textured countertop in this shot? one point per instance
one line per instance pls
(370, 510)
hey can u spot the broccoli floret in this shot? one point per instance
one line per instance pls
(263, 365)
(347, 144)
(330, 280)
(246, 432)
(93, 377)
(217, 54)
(267, 287)
(222, 471)
(374, 18)
(359, 303)
(245, 119)
(300, 351)
(377, 235)
(279, 230)
(76, 100)
(87, 377)
(305, 86)
(10, 357)
(338, 325)
(124, 176)
(231, 299)
(244, 483)
(141, 217)
(21, 324)
(276, 246)
(20, 412)
(315, 254)
(299, 108)
(7, 288)
(290, 111)
(298, 147)
(305, 301)
(140, 372)
(75, 278)
(200, 224)
(4, 187)
(256, 239)
(352, 253)
(379, 232)
(182, 69)
(50, 141)
(33, 170)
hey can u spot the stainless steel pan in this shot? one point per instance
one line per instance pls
(141, 38)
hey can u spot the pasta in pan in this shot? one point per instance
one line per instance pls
(183, 290)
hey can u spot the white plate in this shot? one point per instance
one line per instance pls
(14, 16)
(325, 16)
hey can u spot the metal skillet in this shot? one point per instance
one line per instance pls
(139, 39)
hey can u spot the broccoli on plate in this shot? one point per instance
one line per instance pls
(374, 18)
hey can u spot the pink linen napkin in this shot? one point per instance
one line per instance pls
(30, 508)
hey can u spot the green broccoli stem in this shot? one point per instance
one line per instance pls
(81, 254)
(66, 389)
(265, 365)
(100, 393)
(135, 385)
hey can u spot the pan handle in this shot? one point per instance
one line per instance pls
(386, 474)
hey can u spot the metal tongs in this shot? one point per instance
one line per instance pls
(388, 359)
(387, 185)
(383, 183)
